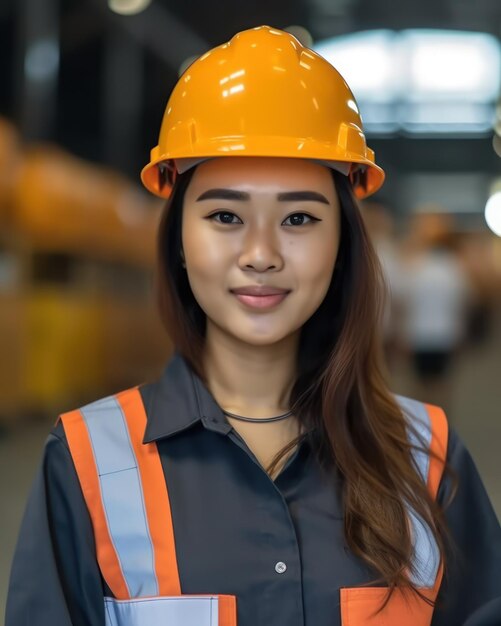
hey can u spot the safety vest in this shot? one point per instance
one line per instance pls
(124, 487)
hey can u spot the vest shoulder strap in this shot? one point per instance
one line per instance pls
(126, 494)
(428, 434)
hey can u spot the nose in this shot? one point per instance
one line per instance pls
(260, 251)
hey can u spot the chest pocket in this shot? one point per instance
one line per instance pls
(125, 491)
(359, 605)
(185, 610)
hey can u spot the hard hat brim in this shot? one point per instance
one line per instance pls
(159, 180)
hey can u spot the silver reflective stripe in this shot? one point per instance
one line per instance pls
(181, 610)
(418, 415)
(122, 494)
(426, 552)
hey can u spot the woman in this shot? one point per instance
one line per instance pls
(269, 476)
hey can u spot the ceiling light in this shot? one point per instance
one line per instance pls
(496, 144)
(128, 7)
(493, 213)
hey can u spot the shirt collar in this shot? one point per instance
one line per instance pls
(179, 400)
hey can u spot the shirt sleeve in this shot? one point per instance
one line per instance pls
(55, 578)
(470, 593)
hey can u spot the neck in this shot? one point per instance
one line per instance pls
(250, 380)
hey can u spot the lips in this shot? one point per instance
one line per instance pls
(259, 296)
(257, 290)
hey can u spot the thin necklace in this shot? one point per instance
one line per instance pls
(258, 419)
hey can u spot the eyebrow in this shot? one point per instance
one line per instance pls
(286, 196)
(302, 196)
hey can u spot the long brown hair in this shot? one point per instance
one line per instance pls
(341, 391)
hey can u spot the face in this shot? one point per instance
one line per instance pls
(260, 222)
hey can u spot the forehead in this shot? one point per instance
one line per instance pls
(262, 174)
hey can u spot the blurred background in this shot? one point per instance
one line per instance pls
(83, 87)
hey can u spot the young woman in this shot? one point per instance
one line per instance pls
(269, 477)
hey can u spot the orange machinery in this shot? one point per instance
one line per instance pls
(77, 250)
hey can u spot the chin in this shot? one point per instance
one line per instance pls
(262, 338)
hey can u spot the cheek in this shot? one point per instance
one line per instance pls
(315, 262)
(204, 254)
(205, 260)
(207, 270)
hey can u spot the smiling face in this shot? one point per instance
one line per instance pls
(260, 221)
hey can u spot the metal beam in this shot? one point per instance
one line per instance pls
(37, 58)
(160, 32)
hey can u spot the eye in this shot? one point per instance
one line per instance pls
(225, 215)
(300, 222)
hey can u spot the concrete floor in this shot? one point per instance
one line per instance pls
(474, 412)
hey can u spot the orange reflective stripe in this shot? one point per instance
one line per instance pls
(438, 445)
(85, 465)
(227, 610)
(155, 493)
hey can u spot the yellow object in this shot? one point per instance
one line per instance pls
(262, 94)
(64, 346)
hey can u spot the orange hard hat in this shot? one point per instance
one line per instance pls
(262, 94)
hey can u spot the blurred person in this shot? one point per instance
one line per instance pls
(436, 295)
(269, 476)
(476, 252)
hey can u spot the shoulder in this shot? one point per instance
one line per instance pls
(429, 428)
(429, 434)
(110, 408)
(426, 421)
(101, 405)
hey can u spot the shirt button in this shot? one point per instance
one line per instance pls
(280, 567)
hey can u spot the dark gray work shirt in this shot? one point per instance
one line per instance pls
(278, 546)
